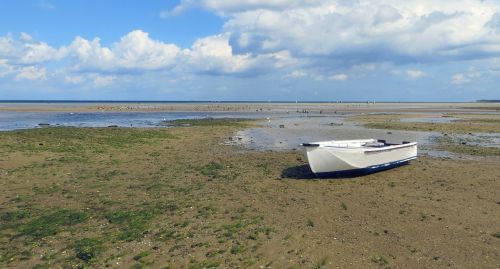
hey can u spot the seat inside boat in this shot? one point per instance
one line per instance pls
(380, 143)
(374, 144)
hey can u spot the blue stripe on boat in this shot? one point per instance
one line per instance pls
(364, 171)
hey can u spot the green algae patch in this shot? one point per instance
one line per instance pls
(87, 249)
(132, 224)
(53, 223)
(72, 140)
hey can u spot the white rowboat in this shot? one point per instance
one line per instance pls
(359, 156)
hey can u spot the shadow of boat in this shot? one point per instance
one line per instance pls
(298, 172)
(304, 172)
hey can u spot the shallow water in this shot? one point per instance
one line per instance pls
(287, 133)
(27, 120)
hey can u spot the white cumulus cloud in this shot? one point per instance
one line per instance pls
(32, 73)
(39, 53)
(339, 77)
(135, 51)
(214, 54)
(351, 33)
(471, 74)
(27, 51)
(5, 68)
(415, 74)
(103, 81)
(296, 74)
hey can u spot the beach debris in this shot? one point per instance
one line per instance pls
(389, 132)
(282, 126)
(43, 124)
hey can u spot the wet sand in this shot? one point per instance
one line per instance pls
(331, 107)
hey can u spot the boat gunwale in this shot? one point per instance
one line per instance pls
(389, 148)
(369, 149)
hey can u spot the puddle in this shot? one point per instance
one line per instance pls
(287, 133)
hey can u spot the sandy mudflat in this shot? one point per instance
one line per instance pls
(272, 107)
(181, 198)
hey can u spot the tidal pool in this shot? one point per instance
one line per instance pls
(287, 133)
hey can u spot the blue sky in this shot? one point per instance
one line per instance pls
(385, 50)
(58, 22)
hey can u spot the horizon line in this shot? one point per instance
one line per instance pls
(230, 101)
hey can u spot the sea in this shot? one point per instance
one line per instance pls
(15, 120)
(28, 120)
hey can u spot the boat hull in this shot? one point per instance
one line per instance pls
(325, 160)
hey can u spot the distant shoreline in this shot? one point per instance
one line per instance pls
(488, 101)
(268, 107)
(229, 102)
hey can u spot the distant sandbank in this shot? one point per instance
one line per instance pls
(249, 107)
